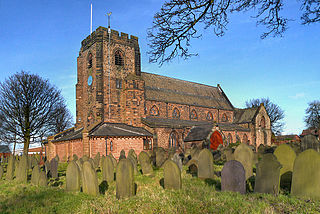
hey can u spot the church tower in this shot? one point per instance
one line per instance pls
(109, 85)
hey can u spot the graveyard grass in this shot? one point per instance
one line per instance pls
(196, 196)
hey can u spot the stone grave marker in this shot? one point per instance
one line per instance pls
(85, 158)
(35, 175)
(172, 175)
(268, 175)
(122, 155)
(132, 153)
(22, 173)
(96, 160)
(10, 168)
(124, 179)
(114, 161)
(161, 156)
(1, 172)
(47, 167)
(75, 157)
(73, 177)
(306, 175)
(286, 156)
(89, 179)
(57, 158)
(43, 180)
(205, 164)
(177, 159)
(194, 152)
(233, 177)
(107, 169)
(245, 156)
(134, 164)
(34, 162)
(54, 168)
(229, 154)
(145, 163)
(309, 142)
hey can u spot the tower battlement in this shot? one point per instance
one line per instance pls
(101, 33)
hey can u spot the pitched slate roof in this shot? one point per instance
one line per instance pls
(4, 149)
(118, 130)
(166, 89)
(201, 132)
(71, 134)
(156, 122)
(245, 115)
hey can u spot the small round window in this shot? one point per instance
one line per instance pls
(89, 80)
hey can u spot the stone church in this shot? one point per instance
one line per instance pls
(119, 107)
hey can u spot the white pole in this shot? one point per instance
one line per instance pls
(91, 21)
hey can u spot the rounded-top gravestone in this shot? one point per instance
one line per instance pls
(245, 156)
(205, 164)
(1, 172)
(286, 156)
(10, 168)
(107, 169)
(132, 153)
(73, 177)
(35, 175)
(22, 173)
(89, 179)
(172, 175)
(124, 179)
(233, 177)
(43, 180)
(309, 142)
(306, 175)
(122, 155)
(145, 163)
(54, 168)
(161, 156)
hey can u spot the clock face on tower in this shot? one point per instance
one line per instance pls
(90, 80)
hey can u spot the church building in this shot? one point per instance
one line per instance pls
(120, 107)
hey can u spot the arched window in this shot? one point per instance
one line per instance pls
(154, 111)
(173, 140)
(209, 116)
(175, 113)
(245, 139)
(230, 139)
(262, 122)
(90, 60)
(147, 144)
(118, 58)
(224, 118)
(193, 114)
(106, 147)
(111, 146)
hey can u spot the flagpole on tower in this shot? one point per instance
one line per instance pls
(109, 91)
(91, 21)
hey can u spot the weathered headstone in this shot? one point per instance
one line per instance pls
(47, 167)
(85, 158)
(233, 177)
(124, 179)
(177, 159)
(161, 156)
(75, 157)
(54, 168)
(89, 179)
(310, 142)
(194, 152)
(205, 164)
(35, 175)
(145, 163)
(245, 156)
(107, 169)
(286, 156)
(193, 167)
(96, 160)
(122, 155)
(10, 168)
(22, 173)
(34, 161)
(172, 175)
(91, 162)
(268, 175)
(43, 180)
(73, 177)
(229, 154)
(306, 175)
(57, 158)
(1, 172)
(134, 163)
(132, 153)
(114, 161)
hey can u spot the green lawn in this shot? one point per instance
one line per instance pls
(196, 196)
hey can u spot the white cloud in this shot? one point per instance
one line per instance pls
(298, 96)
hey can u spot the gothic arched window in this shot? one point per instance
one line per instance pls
(230, 139)
(90, 60)
(173, 140)
(154, 111)
(175, 113)
(118, 58)
(209, 116)
(224, 118)
(193, 114)
(111, 146)
(263, 122)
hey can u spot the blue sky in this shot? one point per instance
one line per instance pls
(44, 37)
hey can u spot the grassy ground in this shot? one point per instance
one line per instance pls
(196, 196)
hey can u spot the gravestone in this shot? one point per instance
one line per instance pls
(34, 162)
(161, 156)
(122, 155)
(309, 142)
(96, 160)
(89, 179)
(245, 156)
(124, 179)
(16, 167)
(145, 163)
(47, 167)
(172, 175)
(286, 156)
(132, 153)
(178, 160)
(268, 175)
(57, 158)
(194, 152)
(306, 175)
(229, 154)
(54, 168)
(134, 164)
(35, 175)
(22, 173)
(107, 169)
(171, 153)
(43, 181)
(233, 177)
(10, 168)
(75, 157)
(1, 172)
(193, 167)
(114, 161)
(205, 164)
(261, 150)
(73, 177)
(85, 158)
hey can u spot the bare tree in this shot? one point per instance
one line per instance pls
(178, 21)
(28, 105)
(63, 120)
(312, 118)
(275, 113)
